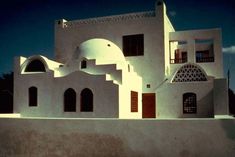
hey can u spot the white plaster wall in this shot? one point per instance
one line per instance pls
(51, 93)
(167, 29)
(221, 97)
(212, 68)
(151, 66)
(43, 82)
(131, 82)
(119, 138)
(111, 69)
(170, 99)
(105, 95)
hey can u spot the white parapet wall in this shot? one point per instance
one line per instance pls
(119, 138)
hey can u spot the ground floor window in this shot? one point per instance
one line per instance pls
(33, 96)
(86, 100)
(189, 103)
(83, 64)
(70, 100)
(134, 101)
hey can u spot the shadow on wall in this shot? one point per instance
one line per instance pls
(229, 128)
(231, 102)
(60, 145)
(6, 93)
(206, 104)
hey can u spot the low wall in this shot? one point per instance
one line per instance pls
(111, 137)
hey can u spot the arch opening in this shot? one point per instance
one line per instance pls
(86, 100)
(190, 73)
(70, 100)
(35, 66)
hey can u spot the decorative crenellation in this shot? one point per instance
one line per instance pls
(114, 18)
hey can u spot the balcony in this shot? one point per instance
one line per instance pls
(204, 59)
(178, 60)
(204, 50)
(205, 56)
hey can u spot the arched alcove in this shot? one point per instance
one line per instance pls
(70, 100)
(86, 100)
(35, 66)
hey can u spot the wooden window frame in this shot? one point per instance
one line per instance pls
(133, 45)
(134, 101)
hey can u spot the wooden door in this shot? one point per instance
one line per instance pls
(148, 105)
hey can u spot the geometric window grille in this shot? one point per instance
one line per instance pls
(189, 103)
(189, 73)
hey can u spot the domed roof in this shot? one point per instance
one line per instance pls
(104, 51)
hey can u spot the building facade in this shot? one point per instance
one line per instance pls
(124, 66)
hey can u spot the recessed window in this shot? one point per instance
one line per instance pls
(134, 101)
(133, 45)
(86, 100)
(204, 50)
(33, 96)
(35, 66)
(148, 86)
(189, 103)
(178, 52)
(83, 64)
(70, 100)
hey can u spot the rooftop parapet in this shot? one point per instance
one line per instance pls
(114, 18)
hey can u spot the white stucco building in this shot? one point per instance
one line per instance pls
(124, 66)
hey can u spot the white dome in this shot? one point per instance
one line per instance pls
(102, 50)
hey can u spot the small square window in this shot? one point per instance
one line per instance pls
(148, 86)
(83, 64)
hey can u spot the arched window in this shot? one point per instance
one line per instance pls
(83, 64)
(35, 66)
(189, 103)
(189, 73)
(33, 96)
(70, 100)
(86, 100)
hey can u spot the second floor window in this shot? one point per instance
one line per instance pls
(133, 45)
(204, 50)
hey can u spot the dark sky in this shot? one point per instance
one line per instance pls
(27, 26)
